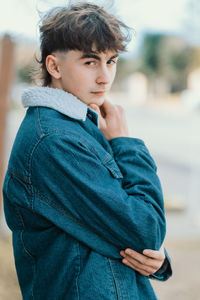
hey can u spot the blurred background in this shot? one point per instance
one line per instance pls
(158, 83)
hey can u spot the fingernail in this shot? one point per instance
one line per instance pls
(146, 251)
(128, 251)
(124, 261)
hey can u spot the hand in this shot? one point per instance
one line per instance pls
(111, 120)
(147, 263)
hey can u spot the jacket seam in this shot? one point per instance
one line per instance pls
(32, 258)
(79, 255)
(114, 280)
(30, 157)
(20, 216)
(7, 183)
(84, 143)
(15, 174)
(27, 252)
(89, 147)
(38, 124)
(15, 206)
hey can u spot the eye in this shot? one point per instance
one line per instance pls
(90, 63)
(111, 62)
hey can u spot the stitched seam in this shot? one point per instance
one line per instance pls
(17, 175)
(106, 159)
(16, 209)
(114, 280)
(38, 124)
(31, 256)
(30, 157)
(83, 142)
(63, 212)
(79, 255)
(31, 195)
(8, 180)
(117, 174)
(20, 216)
(114, 171)
(27, 252)
(13, 174)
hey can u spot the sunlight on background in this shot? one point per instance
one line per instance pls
(158, 84)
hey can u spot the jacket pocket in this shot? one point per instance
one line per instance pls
(112, 166)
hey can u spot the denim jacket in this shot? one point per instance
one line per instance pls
(73, 200)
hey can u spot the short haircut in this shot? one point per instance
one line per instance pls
(80, 27)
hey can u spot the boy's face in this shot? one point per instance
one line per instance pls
(88, 76)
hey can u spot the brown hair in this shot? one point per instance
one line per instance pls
(80, 27)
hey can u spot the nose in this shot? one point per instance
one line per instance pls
(103, 76)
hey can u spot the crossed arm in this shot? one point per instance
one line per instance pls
(107, 215)
(147, 263)
(113, 124)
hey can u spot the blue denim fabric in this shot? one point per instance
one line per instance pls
(73, 200)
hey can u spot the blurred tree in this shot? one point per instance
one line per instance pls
(180, 68)
(149, 55)
(166, 61)
(25, 74)
(125, 67)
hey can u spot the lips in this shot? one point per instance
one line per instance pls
(99, 92)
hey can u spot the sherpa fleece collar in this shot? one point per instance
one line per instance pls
(59, 100)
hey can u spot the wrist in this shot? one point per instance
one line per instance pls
(112, 135)
(117, 136)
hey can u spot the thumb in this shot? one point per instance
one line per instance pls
(107, 107)
(101, 119)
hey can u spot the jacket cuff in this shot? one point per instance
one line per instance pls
(165, 271)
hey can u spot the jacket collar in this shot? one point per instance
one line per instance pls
(59, 100)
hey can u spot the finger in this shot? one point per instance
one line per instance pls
(97, 109)
(143, 272)
(160, 255)
(108, 107)
(141, 258)
(151, 268)
(102, 110)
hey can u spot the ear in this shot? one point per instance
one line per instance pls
(52, 65)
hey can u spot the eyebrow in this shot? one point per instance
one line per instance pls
(95, 56)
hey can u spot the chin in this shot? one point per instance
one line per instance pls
(93, 100)
(98, 101)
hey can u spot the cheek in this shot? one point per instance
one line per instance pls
(81, 78)
(113, 73)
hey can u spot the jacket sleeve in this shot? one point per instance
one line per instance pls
(84, 196)
(165, 271)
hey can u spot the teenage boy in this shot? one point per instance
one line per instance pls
(78, 190)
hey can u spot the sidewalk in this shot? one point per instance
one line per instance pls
(185, 282)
